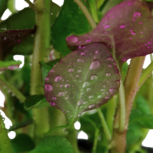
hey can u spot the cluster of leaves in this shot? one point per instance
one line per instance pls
(83, 79)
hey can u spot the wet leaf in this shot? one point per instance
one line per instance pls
(85, 79)
(127, 29)
(70, 20)
(54, 144)
(3, 6)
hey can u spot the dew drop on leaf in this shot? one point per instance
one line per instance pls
(109, 65)
(108, 74)
(67, 85)
(78, 60)
(52, 103)
(136, 14)
(88, 89)
(94, 65)
(48, 87)
(93, 77)
(54, 98)
(46, 79)
(122, 26)
(61, 94)
(79, 71)
(90, 96)
(71, 70)
(86, 84)
(58, 78)
(96, 52)
(82, 53)
(72, 39)
(91, 106)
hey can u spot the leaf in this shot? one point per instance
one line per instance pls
(22, 143)
(9, 65)
(126, 28)
(3, 6)
(83, 80)
(35, 101)
(70, 20)
(8, 39)
(17, 21)
(46, 67)
(54, 144)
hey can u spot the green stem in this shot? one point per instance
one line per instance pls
(5, 144)
(145, 74)
(30, 4)
(106, 130)
(16, 92)
(93, 8)
(95, 141)
(41, 45)
(100, 3)
(111, 108)
(86, 13)
(11, 6)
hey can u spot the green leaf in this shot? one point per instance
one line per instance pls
(24, 19)
(83, 80)
(9, 65)
(3, 6)
(35, 101)
(71, 20)
(22, 143)
(54, 144)
(46, 67)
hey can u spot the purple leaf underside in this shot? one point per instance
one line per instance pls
(126, 28)
(83, 80)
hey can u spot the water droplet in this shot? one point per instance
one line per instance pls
(102, 89)
(88, 89)
(88, 40)
(107, 26)
(94, 65)
(79, 71)
(108, 74)
(109, 59)
(52, 70)
(83, 53)
(100, 96)
(66, 97)
(106, 97)
(52, 103)
(86, 84)
(122, 26)
(77, 76)
(58, 78)
(96, 52)
(93, 77)
(67, 85)
(54, 98)
(91, 106)
(46, 79)
(80, 102)
(61, 94)
(109, 65)
(90, 96)
(61, 85)
(117, 82)
(78, 60)
(48, 87)
(136, 14)
(71, 70)
(85, 102)
(111, 90)
(72, 39)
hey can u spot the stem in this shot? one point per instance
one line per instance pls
(5, 144)
(95, 141)
(93, 8)
(111, 108)
(16, 92)
(30, 4)
(11, 6)
(107, 133)
(41, 45)
(118, 142)
(86, 13)
(145, 74)
(100, 3)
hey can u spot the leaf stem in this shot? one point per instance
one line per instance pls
(30, 4)
(16, 92)
(86, 13)
(106, 130)
(95, 140)
(93, 8)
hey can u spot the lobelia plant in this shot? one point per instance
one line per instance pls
(75, 70)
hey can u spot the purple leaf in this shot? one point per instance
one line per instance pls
(127, 28)
(83, 80)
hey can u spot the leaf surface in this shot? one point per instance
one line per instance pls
(85, 79)
(3, 6)
(127, 30)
